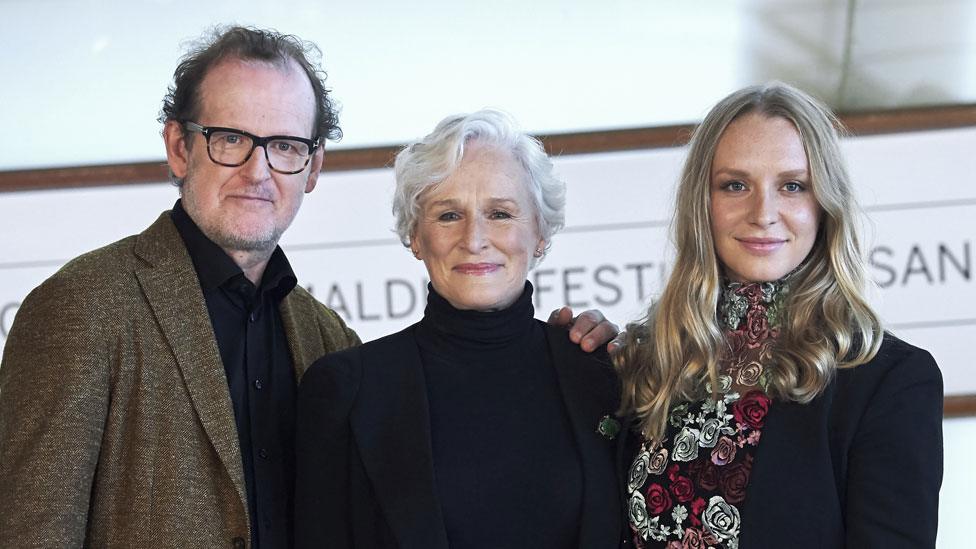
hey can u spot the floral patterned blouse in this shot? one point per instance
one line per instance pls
(686, 491)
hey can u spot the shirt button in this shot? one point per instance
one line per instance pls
(258, 385)
(238, 543)
(263, 453)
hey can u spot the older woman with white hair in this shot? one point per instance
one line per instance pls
(478, 426)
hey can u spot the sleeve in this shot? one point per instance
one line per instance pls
(54, 394)
(336, 334)
(895, 461)
(323, 441)
(350, 337)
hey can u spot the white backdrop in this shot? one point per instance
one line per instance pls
(612, 255)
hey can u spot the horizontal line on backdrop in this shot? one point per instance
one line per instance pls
(959, 406)
(615, 226)
(952, 323)
(344, 244)
(933, 204)
(33, 264)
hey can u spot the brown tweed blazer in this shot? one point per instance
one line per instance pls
(116, 425)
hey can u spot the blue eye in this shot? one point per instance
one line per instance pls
(448, 216)
(736, 186)
(793, 187)
(225, 139)
(499, 214)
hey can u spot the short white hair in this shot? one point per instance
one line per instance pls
(426, 163)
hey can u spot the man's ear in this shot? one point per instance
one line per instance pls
(177, 155)
(318, 158)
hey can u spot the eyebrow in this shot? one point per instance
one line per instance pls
(454, 203)
(739, 173)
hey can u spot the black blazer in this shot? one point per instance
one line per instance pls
(860, 466)
(365, 474)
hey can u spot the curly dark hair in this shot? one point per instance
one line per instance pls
(182, 101)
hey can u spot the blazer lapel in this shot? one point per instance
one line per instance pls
(173, 291)
(590, 392)
(391, 423)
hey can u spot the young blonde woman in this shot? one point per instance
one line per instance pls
(768, 405)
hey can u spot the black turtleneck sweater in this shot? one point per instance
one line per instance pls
(506, 465)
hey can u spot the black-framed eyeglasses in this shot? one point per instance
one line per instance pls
(231, 147)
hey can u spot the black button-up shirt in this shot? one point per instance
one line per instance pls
(260, 375)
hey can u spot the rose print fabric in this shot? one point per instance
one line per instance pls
(686, 490)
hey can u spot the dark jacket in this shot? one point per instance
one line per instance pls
(860, 466)
(365, 468)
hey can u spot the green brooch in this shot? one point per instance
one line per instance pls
(608, 427)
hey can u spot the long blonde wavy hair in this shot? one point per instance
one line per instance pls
(828, 323)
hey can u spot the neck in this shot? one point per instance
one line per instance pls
(252, 262)
(481, 330)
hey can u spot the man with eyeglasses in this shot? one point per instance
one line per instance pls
(147, 391)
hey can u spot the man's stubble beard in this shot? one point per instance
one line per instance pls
(221, 230)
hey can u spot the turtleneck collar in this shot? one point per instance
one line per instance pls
(476, 330)
(750, 315)
(744, 302)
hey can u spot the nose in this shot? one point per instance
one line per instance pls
(475, 235)
(764, 208)
(256, 168)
